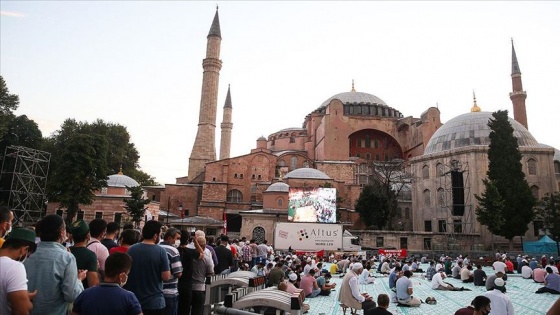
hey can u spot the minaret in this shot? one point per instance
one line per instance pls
(204, 148)
(227, 125)
(517, 96)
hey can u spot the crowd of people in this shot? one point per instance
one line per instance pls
(99, 268)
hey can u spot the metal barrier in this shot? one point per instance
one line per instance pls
(271, 298)
(218, 287)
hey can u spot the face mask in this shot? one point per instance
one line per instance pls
(9, 230)
(23, 257)
(177, 243)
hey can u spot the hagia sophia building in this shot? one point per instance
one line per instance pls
(335, 146)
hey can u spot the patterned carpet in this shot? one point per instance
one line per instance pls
(521, 292)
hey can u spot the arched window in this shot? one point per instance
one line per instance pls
(282, 163)
(234, 195)
(293, 163)
(425, 172)
(532, 167)
(439, 169)
(535, 191)
(280, 202)
(407, 213)
(427, 201)
(377, 157)
(253, 198)
(293, 138)
(259, 234)
(556, 167)
(441, 197)
(305, 164)
(368, 156)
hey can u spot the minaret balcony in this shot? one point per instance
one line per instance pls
(517, 93)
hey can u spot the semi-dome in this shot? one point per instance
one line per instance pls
(355, 98)
(307, 173)
(472, 129)
(120, 180)
(278, 187)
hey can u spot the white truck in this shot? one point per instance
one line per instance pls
(314, 237)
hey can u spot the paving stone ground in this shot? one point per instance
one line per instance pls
(521, 291)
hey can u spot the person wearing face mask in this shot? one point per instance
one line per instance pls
(172, 240)
(85, 258)
(150, 268)
(6, 218)
(109, 297)
(14, 297)
(480, 305)
(52, 270)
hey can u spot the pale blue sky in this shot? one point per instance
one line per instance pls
(139, 63)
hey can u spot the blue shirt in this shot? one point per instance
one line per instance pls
(52, 271)
(402, 288)
(107, 298)
(553, 281)
(144, 279)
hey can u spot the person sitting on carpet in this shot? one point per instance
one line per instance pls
(405, 290)
(551, 283)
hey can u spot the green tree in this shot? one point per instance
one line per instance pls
(8, 103)
(548, 210)
(375, 203)
(490, 210)
(78, 166)
(506, 174)
(135, 205)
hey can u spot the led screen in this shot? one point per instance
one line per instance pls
(309, 204)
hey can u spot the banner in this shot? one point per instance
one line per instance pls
(319, 253)
(308, 236)
(401, 253)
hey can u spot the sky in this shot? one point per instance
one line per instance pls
(139, 64)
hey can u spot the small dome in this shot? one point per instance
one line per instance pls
(355, 98)
(261, 138)
(278, 187)
(472, 129)
(119, 180)
(305, 172)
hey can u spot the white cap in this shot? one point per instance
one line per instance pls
(292, 276)
(499, 282)
(357, 266)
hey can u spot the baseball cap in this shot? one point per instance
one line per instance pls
(22, 234)
(79, 228)
(499, 282)
(292, 276)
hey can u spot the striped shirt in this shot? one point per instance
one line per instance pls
(170, 287)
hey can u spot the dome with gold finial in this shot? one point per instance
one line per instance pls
(121, 180)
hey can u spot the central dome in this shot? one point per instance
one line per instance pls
(307, 173)
(472, 129)
(355, 98)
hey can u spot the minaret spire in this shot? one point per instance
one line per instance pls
(204, 148)
(353, 90)
(227, 126)
(517, 95)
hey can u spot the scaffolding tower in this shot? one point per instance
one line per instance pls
(28, 169)
(454, 204)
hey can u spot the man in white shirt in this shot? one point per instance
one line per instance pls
(350, 294)
(14, 297)
(501, 303)
(439, 284)
(526, 272)
(500, 266)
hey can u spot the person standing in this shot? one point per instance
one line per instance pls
(6, 218)
(85, 258)
(188, 255)
(150, 267)
(202, 268)
(109, 297)
(52, 270)
(127, 239)
(14, 297)
(405, 290)
(97, 229)
(172, 240)
(225, 257)
(110, 236)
